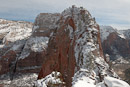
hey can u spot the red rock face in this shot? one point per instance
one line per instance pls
(6, 62)
(60, 52)
(115, 42)
(99, 42)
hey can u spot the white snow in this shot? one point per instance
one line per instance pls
(82, 83)
(120, 60)
(52, 78)
(35, 44)
(35, 27)
(113, 82)
(40, 44)
(105, 31)
(24, 80)
(101, 84)
(12, 31)
(82, 79)
(1, 46)
(122, 36)
(18, 33)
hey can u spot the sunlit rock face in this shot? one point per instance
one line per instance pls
(74, 50)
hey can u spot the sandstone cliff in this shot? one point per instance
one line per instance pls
(74, 56)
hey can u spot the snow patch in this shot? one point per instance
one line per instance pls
(113, 82)
(11, 31)
(35, 27)
(105, 31)
(35, 44)
(50, 80)
(122, 36)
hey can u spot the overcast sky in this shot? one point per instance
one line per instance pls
(106, 12)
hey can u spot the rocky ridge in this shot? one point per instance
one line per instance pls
(74, 51)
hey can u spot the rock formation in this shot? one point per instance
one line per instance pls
(13, 35)
(116, 43)
(74, 51)
(23, 47)
(32, 56)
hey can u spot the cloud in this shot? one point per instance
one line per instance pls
(106, 12)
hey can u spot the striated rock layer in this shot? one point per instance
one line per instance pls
(23, 46)
(13, 35)
(32, 56)
(74, 50)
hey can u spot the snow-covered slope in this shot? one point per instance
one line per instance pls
(13, 35)
(11, 31)
(20, 80)
(105, 31)
(23, 46)
(43, 27)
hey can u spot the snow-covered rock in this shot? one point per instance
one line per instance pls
(105, 31)
(116, 43)
(35, 44)
(75, 51)
(112, 82)
(52, 80)
(11, 31)
(21, 80)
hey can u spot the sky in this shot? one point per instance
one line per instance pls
(115, 13)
